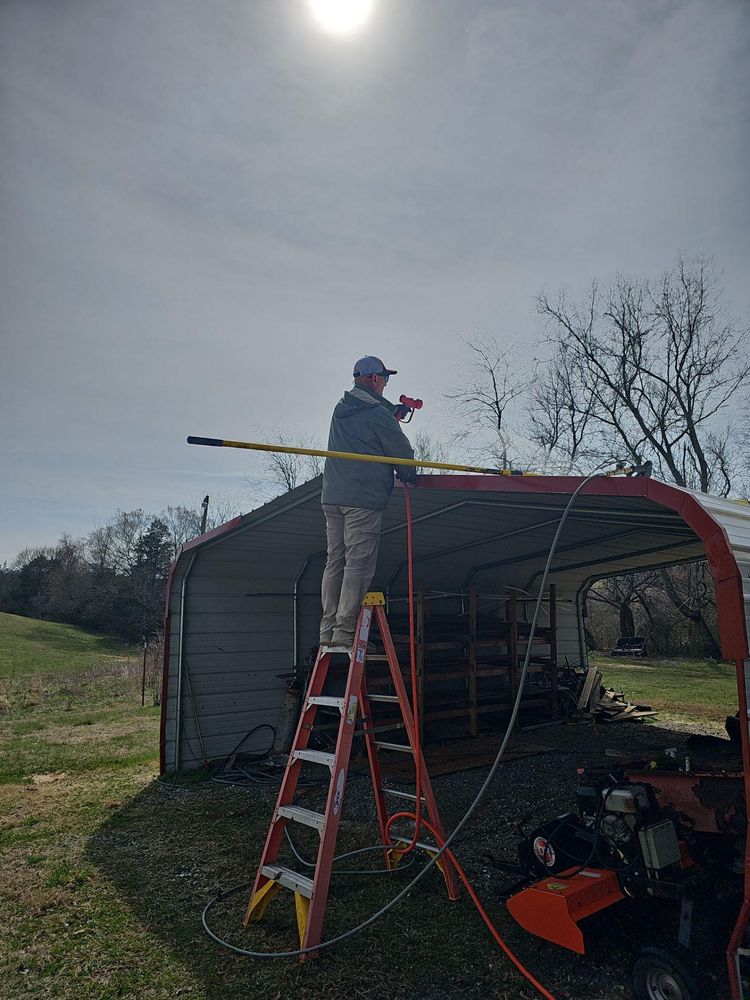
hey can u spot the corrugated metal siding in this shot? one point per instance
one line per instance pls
(235, 641)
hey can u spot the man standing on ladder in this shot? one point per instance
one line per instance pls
(355, 494)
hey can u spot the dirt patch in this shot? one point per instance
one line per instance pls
(48, 779)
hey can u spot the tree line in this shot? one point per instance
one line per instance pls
(113, 580)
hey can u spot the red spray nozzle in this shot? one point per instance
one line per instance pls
(413, 404)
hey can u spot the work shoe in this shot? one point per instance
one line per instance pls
(326, 638)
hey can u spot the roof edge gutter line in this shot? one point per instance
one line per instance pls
(180, 652)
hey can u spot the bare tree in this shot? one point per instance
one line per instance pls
(26, 556)
(287, 471)
(182, 523)
(691, 591)
(127, 528)
(644, 372)
(560, 412)
(429, 449)
(99, 548)
(623, 593)
(647, 371)
(491, 384)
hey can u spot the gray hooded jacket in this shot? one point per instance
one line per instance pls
(364, 422)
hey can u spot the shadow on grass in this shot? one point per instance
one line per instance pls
(170, 850)
(173, 847)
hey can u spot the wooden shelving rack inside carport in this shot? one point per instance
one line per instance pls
(487, 655)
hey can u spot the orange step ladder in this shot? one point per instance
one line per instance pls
(311, 894)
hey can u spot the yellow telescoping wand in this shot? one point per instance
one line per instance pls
(381, 459)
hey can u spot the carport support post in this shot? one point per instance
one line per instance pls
(180, 656)
(419, 653)
(737, 939)
(553, 649)
(513, 646)
(143, 678)
(473, 718)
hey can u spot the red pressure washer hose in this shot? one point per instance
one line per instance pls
(416, 816)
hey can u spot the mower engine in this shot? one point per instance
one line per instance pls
(617, 844)
(617, 827)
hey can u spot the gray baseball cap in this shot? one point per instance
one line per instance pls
(371, 365)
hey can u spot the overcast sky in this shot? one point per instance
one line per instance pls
(211, 208)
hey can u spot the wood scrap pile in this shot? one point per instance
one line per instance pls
(606, 704)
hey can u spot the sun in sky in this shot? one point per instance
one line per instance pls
(341, 17)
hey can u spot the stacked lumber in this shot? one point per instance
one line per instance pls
(606, 704)
(614, 707)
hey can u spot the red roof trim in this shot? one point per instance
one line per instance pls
(199, 540)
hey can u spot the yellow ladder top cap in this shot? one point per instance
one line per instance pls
(374, 597)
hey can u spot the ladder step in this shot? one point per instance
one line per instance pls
(377, 657)
(325, 650)
(411, 796)
(314, 756)
(301, 815)
(321, 699)
(289, 879)
(404, 748)
(382, 697)
(432, 848)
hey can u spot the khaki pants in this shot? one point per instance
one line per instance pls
(353, 537)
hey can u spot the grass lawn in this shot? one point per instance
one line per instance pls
(29, 646)
(685, 690)
(104, 871)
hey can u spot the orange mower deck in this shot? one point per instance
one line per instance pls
(553, 907)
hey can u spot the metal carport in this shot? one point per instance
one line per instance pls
(243, 600)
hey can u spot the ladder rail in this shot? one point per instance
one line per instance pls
(449, 871)
(334, 802)
(381, 810)
(291, 774)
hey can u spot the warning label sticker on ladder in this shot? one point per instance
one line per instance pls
(339, 793)
(351, 712)
(366, 618)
